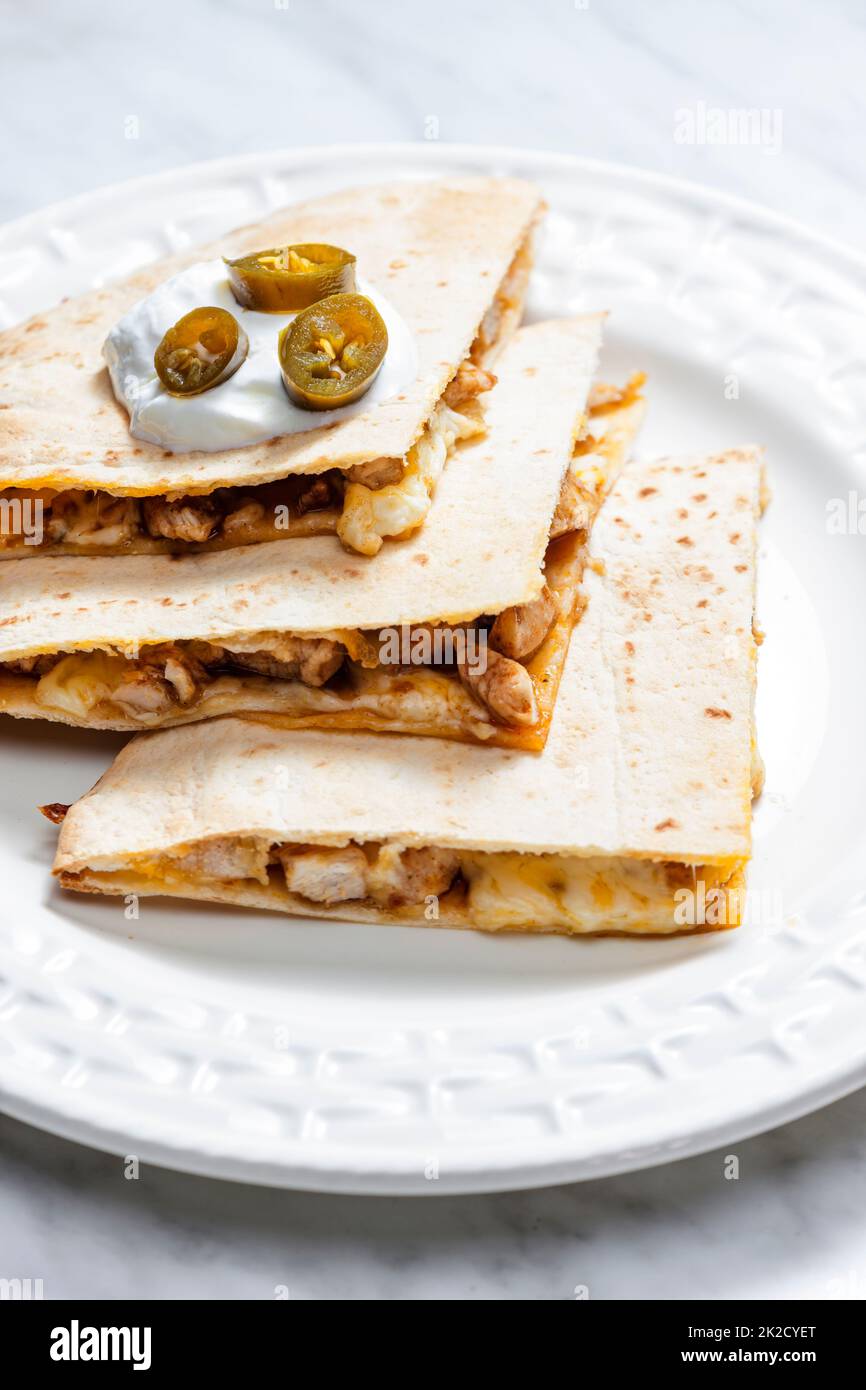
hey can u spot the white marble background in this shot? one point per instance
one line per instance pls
(595, 77)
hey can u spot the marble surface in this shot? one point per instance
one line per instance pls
(95, 92)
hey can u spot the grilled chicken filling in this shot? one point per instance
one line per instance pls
(364, 504)
(488, 658)
(496, 889)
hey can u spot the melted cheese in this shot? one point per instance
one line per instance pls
(400, 508)
(553, 892)
(80, 682)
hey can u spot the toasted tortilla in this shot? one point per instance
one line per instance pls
(484, 548)
(439, 251)
(643, 790)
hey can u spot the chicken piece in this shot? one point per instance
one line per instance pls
(182, 680)
(469, 382)
(179, 667)
(314, 496)
(32, 665)
(519, 631)
(377, 473)
(504, 687)
(324, 875)
(312, 660)
(207, 653)
(93, 518)
(224, 857)
(489, 331)
(403, 876)
(144, 693)
(574, 509)
(184, 519)
(243, 524)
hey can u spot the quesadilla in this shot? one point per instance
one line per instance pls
(453, 257)
(460, 632)
(635, 819)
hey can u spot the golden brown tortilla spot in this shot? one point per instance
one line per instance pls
(682, 513)
(647, 617)
(699, 497)
(397, 265)
(702, 603)
(421, 559)
(740, 569)
(647, 491)
(735, 537)
(685, 541)
(712, 713)
(63, 596)
(530, 371)
(36, 326)
(669, 824)
(711, 515)
(166, 602)
(701, 474)
(629, 646)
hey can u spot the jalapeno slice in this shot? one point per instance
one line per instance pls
(204, 348)
(291, 277)
(330, 354)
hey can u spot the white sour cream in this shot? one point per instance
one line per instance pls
(252, 405)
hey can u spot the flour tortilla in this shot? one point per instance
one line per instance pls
(481, 550)
(649, 756)
(439, 251)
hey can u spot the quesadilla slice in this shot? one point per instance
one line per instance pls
(460, 632)
(141, 468)
(635, 819)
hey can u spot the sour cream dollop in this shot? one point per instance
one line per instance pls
(252, 405)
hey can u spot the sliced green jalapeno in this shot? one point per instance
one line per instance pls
(204, 348)
(330, 353)
(291, 277)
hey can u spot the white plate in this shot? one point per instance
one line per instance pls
(370, 1060)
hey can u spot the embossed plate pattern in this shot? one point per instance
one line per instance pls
(385, 1060)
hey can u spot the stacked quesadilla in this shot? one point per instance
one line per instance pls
(635, 819)
(458, 632)
(294, 502)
